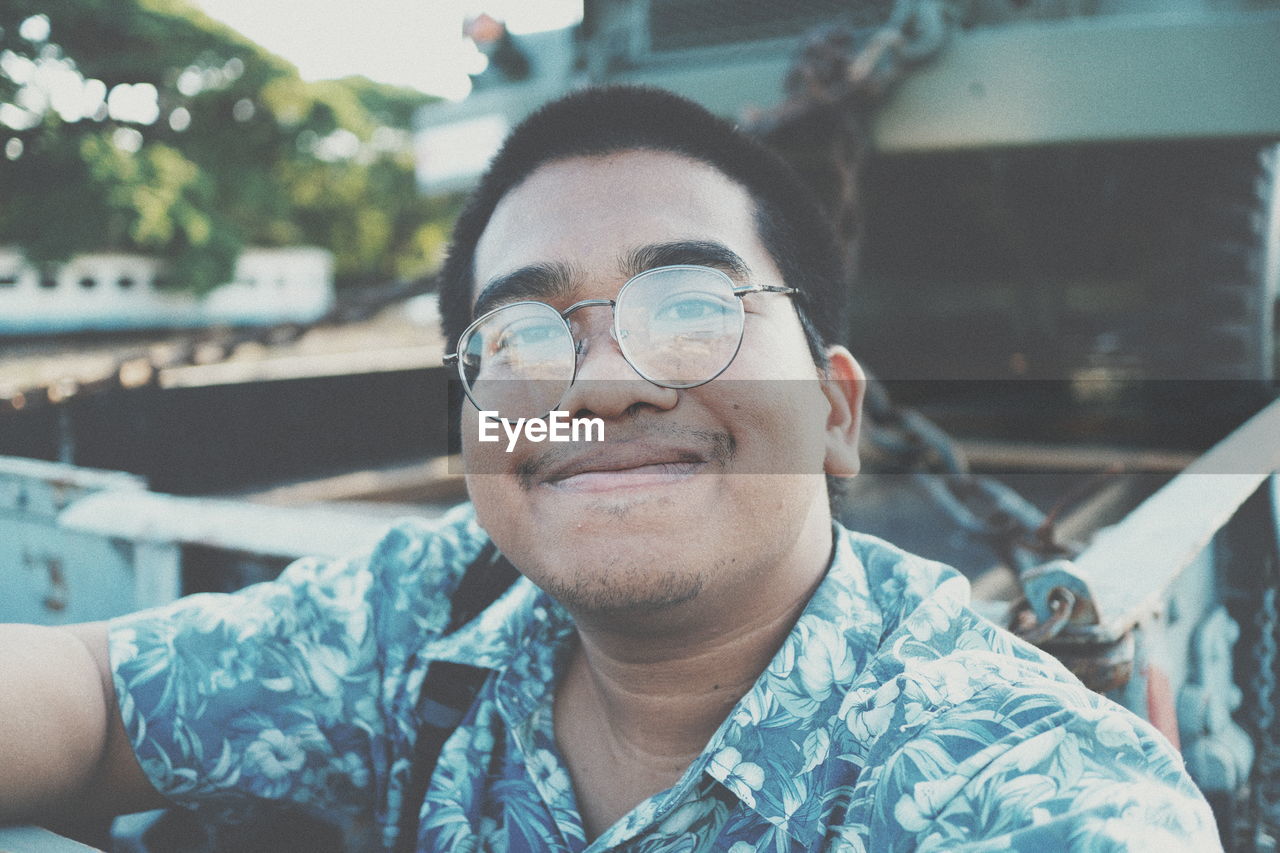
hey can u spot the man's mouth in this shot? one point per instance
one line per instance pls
(642, 461)
(624, 465)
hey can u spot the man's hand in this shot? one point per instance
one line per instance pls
(63, 748)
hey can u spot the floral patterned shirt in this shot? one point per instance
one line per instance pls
(892, 718)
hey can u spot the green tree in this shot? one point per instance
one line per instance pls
(143, 125)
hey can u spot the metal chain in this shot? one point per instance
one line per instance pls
(916, 31)
(842, 75)
(841, 66)
(1266, 780)
(908, 442)
(1264, 656)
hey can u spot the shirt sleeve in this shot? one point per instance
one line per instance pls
(1092, 778)
(267, 694)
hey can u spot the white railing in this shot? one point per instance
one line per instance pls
(119, 291)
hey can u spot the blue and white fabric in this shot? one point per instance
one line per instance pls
(892, 718)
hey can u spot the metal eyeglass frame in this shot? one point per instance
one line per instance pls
(738, 290)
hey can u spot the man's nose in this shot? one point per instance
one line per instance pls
(606, 384)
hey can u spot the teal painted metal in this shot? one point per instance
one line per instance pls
(55, 576)
(731, 83)
(1097, 79)
(79, 545)
(1218, 752)
(225, 525)
(1205, 72)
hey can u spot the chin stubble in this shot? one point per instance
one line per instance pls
(629, 592)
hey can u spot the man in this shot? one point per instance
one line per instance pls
(696, 658)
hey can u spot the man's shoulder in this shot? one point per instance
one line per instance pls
(428, 555)
(936, 657)
(411, 576)
(405, 582)
(957, 723)
(896, 582)
(926, 612)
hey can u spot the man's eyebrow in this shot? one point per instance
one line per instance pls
(544, 282)
(704, 253)
(547, 282)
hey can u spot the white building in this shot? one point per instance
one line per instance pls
(99, 292)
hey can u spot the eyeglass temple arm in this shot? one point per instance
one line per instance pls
(451, 358)
(765, 288)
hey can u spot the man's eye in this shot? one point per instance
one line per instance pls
(691, 309)
(525, 336)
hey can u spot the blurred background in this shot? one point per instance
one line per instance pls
(220, 222)
(212, 233)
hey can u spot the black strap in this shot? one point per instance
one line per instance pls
(449, 689)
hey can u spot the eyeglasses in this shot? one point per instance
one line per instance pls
(677, 326)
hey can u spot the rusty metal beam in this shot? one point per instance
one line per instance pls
(993, 455)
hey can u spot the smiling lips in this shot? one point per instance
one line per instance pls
(623, 465)
(653, 455)
(617, 465)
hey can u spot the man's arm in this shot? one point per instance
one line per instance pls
(63, 748)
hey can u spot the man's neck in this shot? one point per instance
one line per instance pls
(632, 713)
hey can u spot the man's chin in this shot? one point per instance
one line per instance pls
(632, 597)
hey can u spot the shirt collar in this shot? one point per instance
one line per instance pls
(520, 617)
(773, 751)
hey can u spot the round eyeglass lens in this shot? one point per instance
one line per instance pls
(518, 361)
(680, 326)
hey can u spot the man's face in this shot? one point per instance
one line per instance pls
(674, 509)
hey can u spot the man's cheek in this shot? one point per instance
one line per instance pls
(496, 503)
(484, 443)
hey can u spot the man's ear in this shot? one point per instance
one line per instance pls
(844, 384)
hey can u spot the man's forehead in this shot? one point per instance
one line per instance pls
(588, 214)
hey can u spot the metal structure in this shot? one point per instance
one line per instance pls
(78, 545)
(1088, 186)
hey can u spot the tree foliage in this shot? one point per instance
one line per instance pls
(143, 125)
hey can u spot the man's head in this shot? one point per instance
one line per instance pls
(705, 496)
(601, 121)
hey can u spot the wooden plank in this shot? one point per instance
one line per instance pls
(438, 480)
(991, 455)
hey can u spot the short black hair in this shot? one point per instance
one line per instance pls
(606, 120)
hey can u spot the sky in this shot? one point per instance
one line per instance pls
(415, 43)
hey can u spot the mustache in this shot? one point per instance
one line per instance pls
(714, 447)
